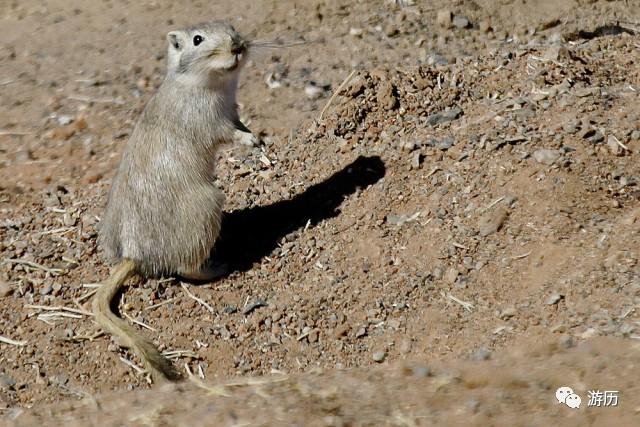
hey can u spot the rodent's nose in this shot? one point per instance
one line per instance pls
(238, 47)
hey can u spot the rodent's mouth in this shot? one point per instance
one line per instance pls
(233, 65)
(237, 60)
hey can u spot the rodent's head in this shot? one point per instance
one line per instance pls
(207, 53)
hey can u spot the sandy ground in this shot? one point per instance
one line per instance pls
(452, 239)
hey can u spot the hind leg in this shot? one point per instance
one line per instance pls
(198, 236)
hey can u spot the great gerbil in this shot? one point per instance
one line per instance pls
(163, 213)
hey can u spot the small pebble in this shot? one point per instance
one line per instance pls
(596, 138)
(445, 144)
(421, 371)
(230, 309)
(415, 161)
(58, 380)
(481, 354)
(405, 346)
(6, 382)
(546, 156)
(493, 221)
(379, 356)
(254, 305)
(435, 59)
(554, 299)
(473, 405)
(47, 289)
(567, 341)
(64, 120)
(508, 313)
(444, 116)
(460, 22)
(313, 91)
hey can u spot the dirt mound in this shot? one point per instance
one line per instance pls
(475, 197)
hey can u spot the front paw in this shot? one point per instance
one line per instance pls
(245, 138)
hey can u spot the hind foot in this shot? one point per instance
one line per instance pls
(207, 273)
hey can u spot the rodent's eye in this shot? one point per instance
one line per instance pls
(197, 40)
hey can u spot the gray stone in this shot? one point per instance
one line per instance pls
(254, 305)
(47, 289)
(379, 356)
(508, 313)
(445, 144)
(481, 354)
(444, 116)
(435, 59)
(460, 22)
(6, 382)
(546, 156)
(421, 371)
(493, 221)
(554, 299)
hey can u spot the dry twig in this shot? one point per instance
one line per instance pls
(466, 305)
(337, 91)
(200, 301)
(176, 354)
(139, 323)
(9, 341)
(14, 133)
(132, 365)
(492, 204)
(58, 308)
(170, 300)
(34, 265)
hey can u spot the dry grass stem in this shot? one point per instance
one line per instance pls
(9, 341)
(492, 204)
(337, 91)
(466, 305)
(198, 300)
(34, 265)
(160, 304)
(58, 308)
(132, 365)
(139, 323)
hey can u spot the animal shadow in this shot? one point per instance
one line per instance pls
(247, 235)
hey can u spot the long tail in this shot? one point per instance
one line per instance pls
(161, 368)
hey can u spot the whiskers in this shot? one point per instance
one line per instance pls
(274, 44)
(213, 52)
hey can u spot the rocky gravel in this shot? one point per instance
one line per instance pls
(440, 197)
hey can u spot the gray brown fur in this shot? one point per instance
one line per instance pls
(164, 210)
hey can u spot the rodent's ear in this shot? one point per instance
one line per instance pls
(175, 39)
